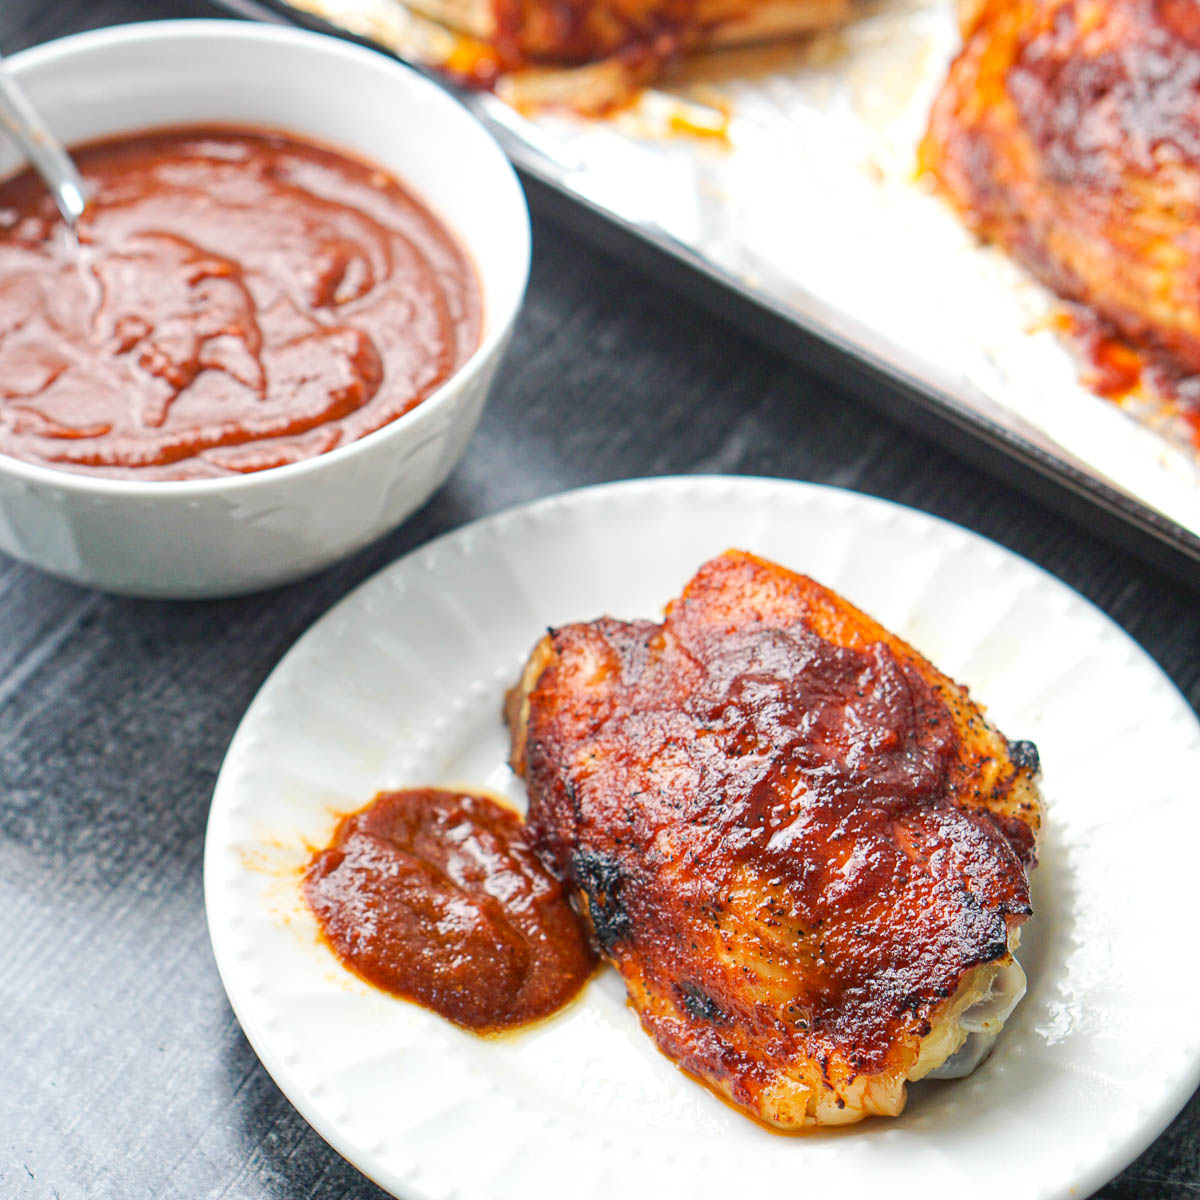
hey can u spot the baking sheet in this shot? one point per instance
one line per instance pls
(796, 185)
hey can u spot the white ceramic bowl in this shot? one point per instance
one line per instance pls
(219, 537)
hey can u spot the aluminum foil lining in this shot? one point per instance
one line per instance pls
(791, 168)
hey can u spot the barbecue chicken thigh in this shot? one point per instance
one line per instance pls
(1068, 132)
(803, 848)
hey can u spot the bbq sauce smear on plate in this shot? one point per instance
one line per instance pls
(238, 300)
(437, 897)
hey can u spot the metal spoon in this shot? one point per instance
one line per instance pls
(20, 120)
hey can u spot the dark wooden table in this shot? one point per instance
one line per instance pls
(124, 1072)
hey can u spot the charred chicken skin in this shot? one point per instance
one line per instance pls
(802, 847)
(1068, 132)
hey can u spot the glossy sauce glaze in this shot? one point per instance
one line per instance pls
(238, 301)
(437, 897)
(795, 838)
(1068, 133)
(1104, 89)
(824, 771)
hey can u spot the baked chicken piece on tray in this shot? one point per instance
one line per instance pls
(590, 57)
(804, 849)
(1068, 133)
(578, 31)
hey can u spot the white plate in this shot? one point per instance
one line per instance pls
(401, 685)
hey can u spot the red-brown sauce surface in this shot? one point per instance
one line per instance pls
(437, 897)
(238, 301)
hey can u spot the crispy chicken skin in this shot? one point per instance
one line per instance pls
(803, 848)
(1068, 132)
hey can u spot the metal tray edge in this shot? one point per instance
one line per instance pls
(1099, 509)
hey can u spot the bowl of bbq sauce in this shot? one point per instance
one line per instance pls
(275, 333)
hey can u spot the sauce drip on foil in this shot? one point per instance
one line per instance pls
(437, 896)
(1132, 376)
(238, 301)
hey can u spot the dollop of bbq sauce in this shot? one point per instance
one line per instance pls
(237, 300)
(437, 897)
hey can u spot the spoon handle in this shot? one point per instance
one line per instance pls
(20, 120)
